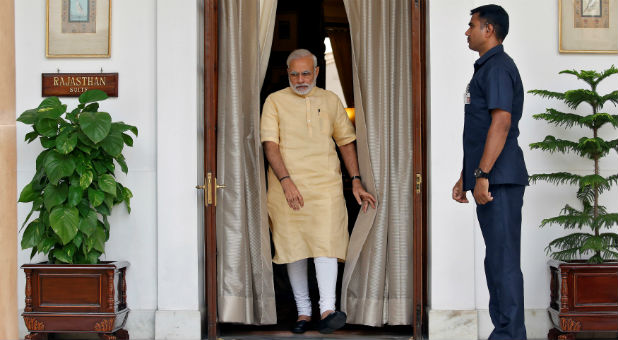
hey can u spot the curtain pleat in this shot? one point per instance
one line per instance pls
(377, 281)
(245, 292)
(342, 52)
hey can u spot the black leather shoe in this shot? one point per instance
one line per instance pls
(300, 326)
(332, 322)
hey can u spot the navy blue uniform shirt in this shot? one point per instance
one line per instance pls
(496, 84)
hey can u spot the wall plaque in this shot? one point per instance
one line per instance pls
(74, 84)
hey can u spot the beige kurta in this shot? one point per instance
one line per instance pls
(304, 127)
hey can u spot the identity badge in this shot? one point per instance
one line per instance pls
(467, 95)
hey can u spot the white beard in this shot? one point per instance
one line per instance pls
(303, 92)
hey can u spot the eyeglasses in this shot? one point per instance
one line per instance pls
(296, 75)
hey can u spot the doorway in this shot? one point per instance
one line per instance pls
(315, 18)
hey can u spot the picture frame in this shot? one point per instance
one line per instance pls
(285, 37)
(78, 29)
(588, 26)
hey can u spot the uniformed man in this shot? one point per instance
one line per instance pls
(494, 167)
(299, 128)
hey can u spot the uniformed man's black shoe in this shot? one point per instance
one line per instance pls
(301, 326)
(332, 322)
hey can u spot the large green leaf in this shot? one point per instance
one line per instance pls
(99, 167)
(103, 210)
(55, 195)
(48, 142)
(64, 221)
(88, 224)
(84, 207)
(66, 142)
(123, 164)
(122, 127)
(50, 102)
(46, 244)
(95, 125)
(75, 194)
(94, 107)
(28, 194)
(96, 197)
(96, 241)
(85, 140)
(58, 166)
(29, 116)
(92, 96)
(107, 183)
(127, 139)
(51, 112)
(32, 235)
(93, 257)
(77, 241)
(40, 159)
(85, 179)
(66, 253)
(113, 143)
(99, 237)
(39, 181)
(127, 198)
(47, 127)
(36, 206)
(30, 136)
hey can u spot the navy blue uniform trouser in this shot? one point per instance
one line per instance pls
(500, 222)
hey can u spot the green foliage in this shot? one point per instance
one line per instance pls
(595, 245)
(74, 188)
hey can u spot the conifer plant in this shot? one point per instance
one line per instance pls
(593, 238)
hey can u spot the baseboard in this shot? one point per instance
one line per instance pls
(453, 324)
(537, 323)
(178, 324)
(476, 324)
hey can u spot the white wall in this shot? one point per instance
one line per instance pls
(457, 280)
(154, 48)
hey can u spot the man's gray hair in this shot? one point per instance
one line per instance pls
(301, 53)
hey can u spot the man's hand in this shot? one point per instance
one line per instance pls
(459, 194)
(292, 195)
(481, 191)
(362, 196)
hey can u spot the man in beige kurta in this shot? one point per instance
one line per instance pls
(299, 128)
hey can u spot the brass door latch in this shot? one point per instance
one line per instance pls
(419, 182)
(209, 194)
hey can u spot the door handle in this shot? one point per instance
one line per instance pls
(208, 192)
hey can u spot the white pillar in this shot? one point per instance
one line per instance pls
(178, 315)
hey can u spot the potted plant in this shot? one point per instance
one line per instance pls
(73, 192)
(584, 271)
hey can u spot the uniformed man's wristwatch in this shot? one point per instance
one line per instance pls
(478, 173)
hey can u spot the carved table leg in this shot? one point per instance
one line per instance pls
(555, 334)
(120, 334)
(36, 336)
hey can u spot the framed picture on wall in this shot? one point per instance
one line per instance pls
(78, 29)
(588, 26)
(285, 37)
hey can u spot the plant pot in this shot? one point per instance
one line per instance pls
(71, 298)
(584, 298)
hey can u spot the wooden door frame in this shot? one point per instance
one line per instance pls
(419, 114)
(211, 67)
(419, 165)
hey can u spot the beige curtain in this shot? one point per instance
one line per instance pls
(377, 280)
(244, 268)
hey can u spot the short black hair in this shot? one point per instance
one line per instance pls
(496, 16)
